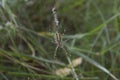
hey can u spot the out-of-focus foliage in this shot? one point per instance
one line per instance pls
(90, 27)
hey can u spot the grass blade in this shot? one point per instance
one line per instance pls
(73, 50)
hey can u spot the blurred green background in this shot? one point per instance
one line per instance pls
(91, 31)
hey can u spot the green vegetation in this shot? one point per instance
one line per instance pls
(91, 31)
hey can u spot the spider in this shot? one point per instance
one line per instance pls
(58, 41)
(57, 36)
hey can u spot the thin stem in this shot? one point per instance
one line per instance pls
(71, 65)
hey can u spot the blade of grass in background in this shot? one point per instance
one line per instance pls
(103, 24)
(116, 11)
(74, 51)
